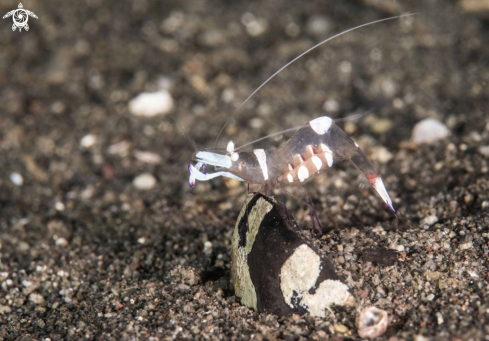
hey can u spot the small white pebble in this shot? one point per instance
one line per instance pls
(26, 283)
(318, 24)
(61, 242)
(429, 220)
(430, 297)
(465, 246)
(429, 131)
(144, 181)
(207, 248)
(37, 299)
(378, 229)
(151, 104)
(17, 179)
(331, 105)
(59, 206)
(439, 318)
(88, 141)
(484, 150)
(147, 157)
(120, 148)
(485, 204)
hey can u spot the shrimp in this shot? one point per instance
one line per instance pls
(316, 146)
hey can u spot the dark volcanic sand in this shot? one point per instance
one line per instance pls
(85, 254)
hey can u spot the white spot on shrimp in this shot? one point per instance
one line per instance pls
(303, 173)
(261, 156)
(230, 147)
(290, 178)
(321, 125)
(234, 157)
(329, 159)
(317, 162)
(356, 144)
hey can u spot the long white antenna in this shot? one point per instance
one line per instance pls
(302, 54)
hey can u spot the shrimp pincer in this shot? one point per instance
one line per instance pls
(314, 147)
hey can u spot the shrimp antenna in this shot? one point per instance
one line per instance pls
(192, 142)
(354, 117)
(349, 118)
(302, 54)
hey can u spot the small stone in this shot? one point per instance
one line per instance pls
(341, 329)
(429, 131)
(147, 157)
(144, 181)
(208, 248)
(439, 318)
(17, 179)
(474, 6)
(429, 220)
(23, 246)
(485, 204)
(318, 25)
(381, 126)
(37, 299)
(5, 309)
(151, 104)
(88, 141)
(59, 206)
(61, 242)
(183, 288)
(484, 150)
(465, 246)
(127, 272)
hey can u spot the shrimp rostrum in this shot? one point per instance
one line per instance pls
(313, 148)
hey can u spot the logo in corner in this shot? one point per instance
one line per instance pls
(20, 17)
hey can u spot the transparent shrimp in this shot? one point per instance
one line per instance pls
(316, 146)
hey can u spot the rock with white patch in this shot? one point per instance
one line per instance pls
(275, 269)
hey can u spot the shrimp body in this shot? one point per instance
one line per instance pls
(313, 148)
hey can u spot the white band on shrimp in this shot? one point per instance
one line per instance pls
(261, 156)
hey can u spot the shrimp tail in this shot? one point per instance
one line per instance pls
(365, 166)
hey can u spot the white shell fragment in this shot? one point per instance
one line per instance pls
(144, 181)
(147, 157)
(88, 141)
(16, 179)
(300, 273)
(372, 322)
(429, 131)
(149, 104)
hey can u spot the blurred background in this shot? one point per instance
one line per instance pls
(98, 96)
